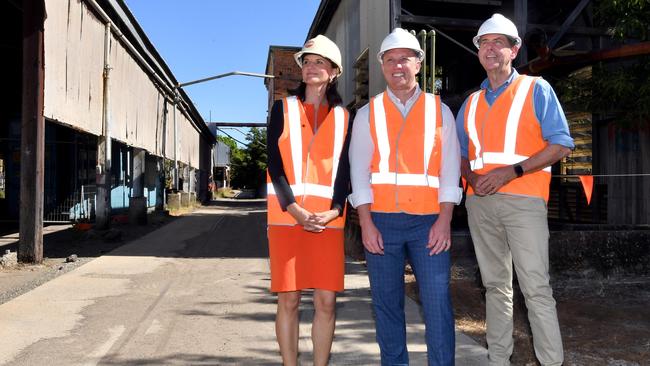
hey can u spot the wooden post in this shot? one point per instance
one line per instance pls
(32, 144)
(521, 21)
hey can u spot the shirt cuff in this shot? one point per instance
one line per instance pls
(359, 198)
(563, 140)
(450, 194)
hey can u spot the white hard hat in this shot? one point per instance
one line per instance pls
(498, 24)
(400, 38)
(322, 46)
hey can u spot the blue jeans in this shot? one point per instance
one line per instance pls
(405, 237)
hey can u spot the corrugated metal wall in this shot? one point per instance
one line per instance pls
(74, 59)
(136, 105)
(355, 26)
(189, 143)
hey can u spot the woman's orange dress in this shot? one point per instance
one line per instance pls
(302, 259)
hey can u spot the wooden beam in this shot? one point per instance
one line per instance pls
(32, 145)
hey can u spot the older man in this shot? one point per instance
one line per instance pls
(511, 131)
(404, 160)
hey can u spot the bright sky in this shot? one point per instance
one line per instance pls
(203, 38)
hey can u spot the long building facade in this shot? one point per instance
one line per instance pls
(118, 133)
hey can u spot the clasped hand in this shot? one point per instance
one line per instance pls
(314, 222)
(492, 181)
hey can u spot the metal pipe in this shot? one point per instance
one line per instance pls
(171, 91)
(422, 35)
(446, 36)
(104, 146)
(129, 46)
(175, 172)
(432, 37)
(106, 110)
(180, 85)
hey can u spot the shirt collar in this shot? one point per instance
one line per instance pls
(411, 100)
(486, 83)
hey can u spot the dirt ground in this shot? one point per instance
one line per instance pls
(604, 321)
(61, 242)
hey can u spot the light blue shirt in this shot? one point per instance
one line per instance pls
(549, 113)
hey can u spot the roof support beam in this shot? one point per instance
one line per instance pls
(240, 124)
(469, 24)
(438, 31)
(569, 20)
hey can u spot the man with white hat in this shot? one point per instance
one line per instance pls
(511, 131)
(404, 169)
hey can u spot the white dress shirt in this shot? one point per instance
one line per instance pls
(362, 149)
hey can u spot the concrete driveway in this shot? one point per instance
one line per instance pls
(192, 292)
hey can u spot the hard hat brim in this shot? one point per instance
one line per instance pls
(476, 39)
(298, 57)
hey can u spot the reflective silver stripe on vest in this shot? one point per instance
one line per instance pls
(430, 116)
(295, 137)
(514, 115)
(502, 159)
(306, 189)
(401, 179)
(339, 127)
(381, 133)
(385, 176)
(508, 156)
(471, 124)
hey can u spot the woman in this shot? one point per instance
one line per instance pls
(308, 182)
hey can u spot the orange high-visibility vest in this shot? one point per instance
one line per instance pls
(406, 161)
(310, 160)
(507, 133)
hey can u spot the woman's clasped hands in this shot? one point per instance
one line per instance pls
(314, 222)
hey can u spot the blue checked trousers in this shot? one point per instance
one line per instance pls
(405, 237)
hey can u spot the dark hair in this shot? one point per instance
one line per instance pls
(331, 93)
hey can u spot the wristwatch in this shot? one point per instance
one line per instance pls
(518, 170)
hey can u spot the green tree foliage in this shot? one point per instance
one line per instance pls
(249, 165)
(230, 142)
(629, 18)
(617, 89)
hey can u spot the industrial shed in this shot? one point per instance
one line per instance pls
(110, 130)
(562, 40)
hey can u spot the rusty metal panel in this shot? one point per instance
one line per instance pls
(189, 143)
(74, 66)
(74, 40)
(135, 102)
